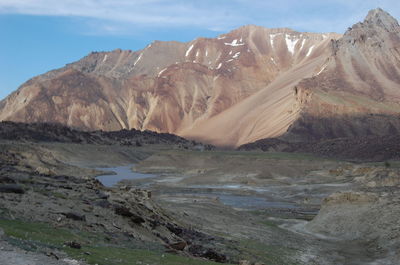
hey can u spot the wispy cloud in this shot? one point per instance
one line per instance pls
(149, 13)
(114, 16)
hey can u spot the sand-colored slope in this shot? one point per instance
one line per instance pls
(268, 113)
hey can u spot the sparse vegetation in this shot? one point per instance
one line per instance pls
(96, 249)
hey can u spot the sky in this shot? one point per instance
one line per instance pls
(37, 36)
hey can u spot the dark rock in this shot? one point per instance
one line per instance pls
(137, 219)
(103, 204)
(73, 244)
(200, 251)
(11, 188)
(5, 179)
(123, 211)
(178, 245)
(102, 195)
(75, 216)
(51, 254)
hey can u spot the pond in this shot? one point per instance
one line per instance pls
(120, 173)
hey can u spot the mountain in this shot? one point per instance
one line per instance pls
(243, 86)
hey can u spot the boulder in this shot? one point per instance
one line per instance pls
(73, 244)
(178, 245)
(75, 216)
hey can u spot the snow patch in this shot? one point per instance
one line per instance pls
(162, 71)
(236, 55)
(188, 51)
(197, 53)
(302, 44)
(138, 59)
(105, 58)
(310, 51)
(323, 68)
(272, 38)
(219, 66)
(234, 43)
(290, 43)
(230, 53)
(222, 37)
(273, 60)
(324, 36)
(230, 60)
(206, 52)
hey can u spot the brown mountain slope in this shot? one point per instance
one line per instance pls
(345, 94)
(249, 84)
(170, 86)
(359, 85)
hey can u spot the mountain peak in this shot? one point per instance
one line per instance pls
(382, 19)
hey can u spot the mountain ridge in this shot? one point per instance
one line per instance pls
(249, 84)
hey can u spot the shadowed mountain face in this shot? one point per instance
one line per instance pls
(249, 84)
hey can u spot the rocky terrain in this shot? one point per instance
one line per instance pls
(315, 179)
(369, 213)
(365, 148)
(199, 206)
(328, 211)
(62, 202)
(52, 132)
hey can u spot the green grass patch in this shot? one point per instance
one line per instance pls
(386, 164)
(270, 223)
(96, 248)
(125, 256)
(269, 254)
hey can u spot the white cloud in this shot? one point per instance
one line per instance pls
(152, 13)
(218, 15)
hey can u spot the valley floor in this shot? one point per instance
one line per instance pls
(260, 208)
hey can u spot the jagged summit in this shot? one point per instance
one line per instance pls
(379, 29)
(383, 19)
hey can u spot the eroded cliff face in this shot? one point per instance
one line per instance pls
(246, 85)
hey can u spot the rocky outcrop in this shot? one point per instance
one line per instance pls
(366, 214)
(50, 132)
(84, 204)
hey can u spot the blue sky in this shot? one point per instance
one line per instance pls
(41, 35)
